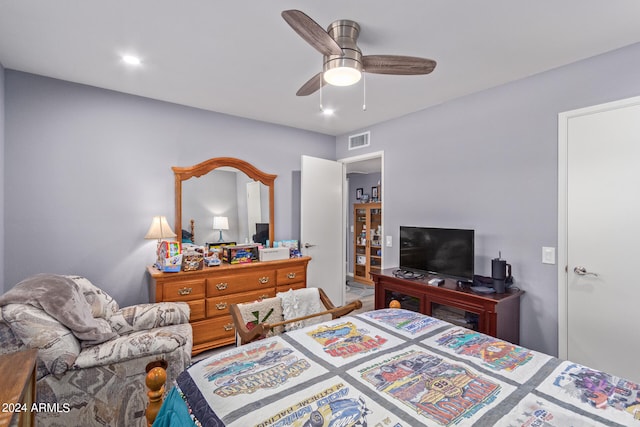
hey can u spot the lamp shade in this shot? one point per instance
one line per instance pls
(342, 71)
(220, 223)
(159, 229)
(342, 76)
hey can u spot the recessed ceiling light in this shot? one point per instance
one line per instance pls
(131, 60)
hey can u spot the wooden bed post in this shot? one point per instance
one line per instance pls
(155, 380)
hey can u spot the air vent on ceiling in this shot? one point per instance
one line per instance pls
(359, 140)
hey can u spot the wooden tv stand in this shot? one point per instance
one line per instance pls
(497, 315)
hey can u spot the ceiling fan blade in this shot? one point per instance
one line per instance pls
(311, 32)
(397, 64)
(312, 85)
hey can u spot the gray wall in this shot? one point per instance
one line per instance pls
(489, 162)
(86, 169)
(2, 178)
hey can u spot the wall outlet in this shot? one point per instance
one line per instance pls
(548, 255)
(388, 241)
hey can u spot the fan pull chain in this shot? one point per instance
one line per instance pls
(364, 91)
(321, 107)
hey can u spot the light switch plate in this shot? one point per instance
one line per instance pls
(388, 241)
(548, 255)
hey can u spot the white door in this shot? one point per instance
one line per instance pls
(600, 289)
(254, 210)
(321, 231)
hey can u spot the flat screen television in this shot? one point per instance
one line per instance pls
(262, 233)
(441, 251)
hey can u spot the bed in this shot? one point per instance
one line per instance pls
(394, 367)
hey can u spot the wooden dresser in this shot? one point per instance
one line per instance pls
(210, 291)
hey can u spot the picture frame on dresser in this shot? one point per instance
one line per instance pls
(218, 245)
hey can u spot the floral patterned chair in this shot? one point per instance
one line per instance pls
(92, 355)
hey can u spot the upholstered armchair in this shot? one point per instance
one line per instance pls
(92, 355)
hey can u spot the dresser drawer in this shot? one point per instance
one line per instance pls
(213, 329)
(290, 275)
(219, 306)
(184, 290)
(197, 310)
(224, 285)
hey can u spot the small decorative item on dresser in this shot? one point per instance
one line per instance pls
(271, 254)
(240, 254)
(192, 260)
(169, 257)
(213, 258)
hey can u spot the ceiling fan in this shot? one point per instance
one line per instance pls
(343, 62)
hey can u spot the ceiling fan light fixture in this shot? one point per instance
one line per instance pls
(342, 76)
(343, 59)
(342, 71)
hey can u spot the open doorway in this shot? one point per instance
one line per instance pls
(363, 201)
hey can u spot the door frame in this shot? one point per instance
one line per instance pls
(563, 238)
(345, 195)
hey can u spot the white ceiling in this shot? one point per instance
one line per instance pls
(241, 58)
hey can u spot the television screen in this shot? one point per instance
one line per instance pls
(262, 233)
(441, 251)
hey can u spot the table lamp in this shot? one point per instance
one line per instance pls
(220, 223)
(160, 229)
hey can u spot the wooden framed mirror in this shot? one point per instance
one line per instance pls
(202, 196)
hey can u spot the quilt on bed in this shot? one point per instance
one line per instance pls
(397, 368)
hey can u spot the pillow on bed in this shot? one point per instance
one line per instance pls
(268, 310)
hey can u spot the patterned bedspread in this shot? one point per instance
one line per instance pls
(399, 368)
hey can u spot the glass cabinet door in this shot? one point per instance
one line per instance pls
(367, 229)
(407, 302)
(375, 239)
(455, 316)
(360, 235)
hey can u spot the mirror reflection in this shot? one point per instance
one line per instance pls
(225, 193)
(224, 199)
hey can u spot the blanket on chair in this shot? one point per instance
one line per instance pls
(299, 303)
(61, 298)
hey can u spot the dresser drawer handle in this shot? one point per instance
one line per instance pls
(185, 291)
(263, 280)
(228, 327)
(221, 305)
(222, 286)
(291, 275)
